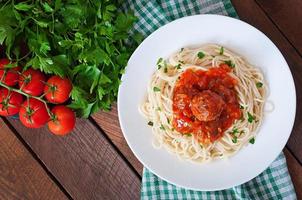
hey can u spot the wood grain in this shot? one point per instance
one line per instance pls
(109, 123)
(295, 170)
(21, 176)
(250, 12)
(287, 16)
(84, 162)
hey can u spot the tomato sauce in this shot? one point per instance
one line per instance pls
(205, 103)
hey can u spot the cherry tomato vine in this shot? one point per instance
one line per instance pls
(34, 111)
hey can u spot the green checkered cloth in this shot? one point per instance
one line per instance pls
(274, 182)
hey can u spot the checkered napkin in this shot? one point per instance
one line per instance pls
(274, 182)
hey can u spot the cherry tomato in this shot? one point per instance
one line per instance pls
(10, 102)
(32, 82)
(57, 89)
(11, 77)
(63, 120)
(33, 113)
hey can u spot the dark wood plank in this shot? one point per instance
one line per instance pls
(295, 170)
(109, 123)
(287, 16)
(250, 12)
(84, 162)
(21, 176)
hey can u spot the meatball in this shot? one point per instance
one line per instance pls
(207, 106)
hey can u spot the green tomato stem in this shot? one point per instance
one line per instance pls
(28, 96)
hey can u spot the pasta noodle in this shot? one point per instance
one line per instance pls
(157, 107)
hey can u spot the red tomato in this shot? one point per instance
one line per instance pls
(63, 120)
(32, 82)
(10, 102)
(11, 78)
(57, 89)
(33, 113)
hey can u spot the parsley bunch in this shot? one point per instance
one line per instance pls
(82, 40)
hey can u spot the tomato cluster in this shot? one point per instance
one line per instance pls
(31, 94)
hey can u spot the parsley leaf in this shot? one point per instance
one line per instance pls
(259, 84)
(234, 131)
(160, 60)
(234, 140)
(252, 140)
(47, 7)
(168, 120)
(178, 66)
(89, 43)
(23, 6)
(166, 69)
(156, 89)
(200, 55)
(221, 51)
(230, 63)
(162, 127)
(162, 63)
(251, 118)
(150, 123)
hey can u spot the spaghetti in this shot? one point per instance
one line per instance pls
(159, 106)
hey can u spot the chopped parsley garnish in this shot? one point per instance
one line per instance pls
(200, 55)
(150, 123)
(234, 131)
(181, 61)
(241, 107)
(221, 51)
(156, 89)
(160, 63)
(252, 140)
(173, 129)
(259, 84)
(234, 140)
(250, 118)
(189, 134)
(160, 60)
(181, 49)
(158, 109)
(166, 69)
(168, 120)
(230, 63)
(162, 127)
(200, 145)
(178, 66)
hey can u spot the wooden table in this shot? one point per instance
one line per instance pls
(94, 162)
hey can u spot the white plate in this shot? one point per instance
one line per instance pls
(243, 39)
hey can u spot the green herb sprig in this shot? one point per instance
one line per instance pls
(85, 41)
